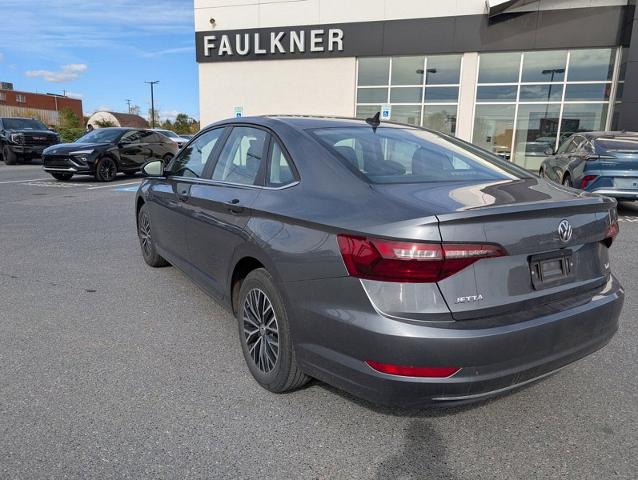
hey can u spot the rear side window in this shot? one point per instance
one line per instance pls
(191, 160)
(280, 172)
(241, 156)
(395, 155)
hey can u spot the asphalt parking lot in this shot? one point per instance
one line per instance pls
(111, 369)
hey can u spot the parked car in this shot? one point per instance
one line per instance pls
(180, 141)
(104, 152)
(598, 162)
(402, 265)
(22, 139)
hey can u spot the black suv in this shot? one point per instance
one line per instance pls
(106, 151)
(22, 139)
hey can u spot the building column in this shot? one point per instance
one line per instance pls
(626, 113)
(467, 96)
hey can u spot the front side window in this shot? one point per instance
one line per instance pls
(241, 156)
(394, 155)
(191, 160)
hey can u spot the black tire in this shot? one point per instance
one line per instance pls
(567, 181)
(105, 170)
(62, 176)
(266, 335)
(147, 244)
(10, 158)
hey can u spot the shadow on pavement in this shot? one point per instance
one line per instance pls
(424, 456)
(628, 209)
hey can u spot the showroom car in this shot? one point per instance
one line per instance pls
(598, 162)
(402, 265)
(23, 139)
(104, 152)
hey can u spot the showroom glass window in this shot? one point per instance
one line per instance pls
(527, 102)
(421, 90)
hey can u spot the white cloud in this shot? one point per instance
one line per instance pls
(168, 114)
(169, 51)
(75, 95)
(67, 73)
(70, 25)
(104, 108)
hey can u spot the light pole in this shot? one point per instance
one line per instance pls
(152, 84)
(552, 71)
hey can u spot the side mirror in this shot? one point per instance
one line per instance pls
(154, 168)
(549, 151)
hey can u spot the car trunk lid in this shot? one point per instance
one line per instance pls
(522, 216)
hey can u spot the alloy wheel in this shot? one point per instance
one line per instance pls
(261, 331)
(145, 235)
(107, 169)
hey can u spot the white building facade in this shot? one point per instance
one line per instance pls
(510, 76)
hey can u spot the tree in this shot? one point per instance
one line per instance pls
(134, 110)
(104, 123)
(69, 125)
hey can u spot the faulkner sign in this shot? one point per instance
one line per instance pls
(536, 30)
(284, 42)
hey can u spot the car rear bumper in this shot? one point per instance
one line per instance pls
(617, 193)
(333, 344)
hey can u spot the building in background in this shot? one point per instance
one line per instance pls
(515, 77)
(116, 119)
(45, 106)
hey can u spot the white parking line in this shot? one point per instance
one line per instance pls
(24, 181)
(114, 185)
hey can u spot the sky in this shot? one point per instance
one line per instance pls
(103, 51)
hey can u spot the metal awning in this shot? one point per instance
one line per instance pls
(497, 7)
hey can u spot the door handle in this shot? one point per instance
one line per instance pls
(233, 206)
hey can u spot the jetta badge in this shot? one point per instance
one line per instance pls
(564, 231)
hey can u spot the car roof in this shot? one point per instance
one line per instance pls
(612, 134)
(305, 122)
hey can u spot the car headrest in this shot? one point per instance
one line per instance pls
(427, 161)
(349, 154)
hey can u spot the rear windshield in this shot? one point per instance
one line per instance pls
(396, 155)
(617, 144)
(23, 124)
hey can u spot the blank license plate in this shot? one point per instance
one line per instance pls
(552, 269)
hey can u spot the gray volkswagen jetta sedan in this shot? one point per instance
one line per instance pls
(402, 265)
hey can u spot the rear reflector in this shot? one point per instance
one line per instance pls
(410, 262)
(403, 371)
(613, 229)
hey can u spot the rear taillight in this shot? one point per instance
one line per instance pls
(405, 371)
(587, 179)
(410, 262)
(613, 229)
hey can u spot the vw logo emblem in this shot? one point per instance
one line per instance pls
(565, 231)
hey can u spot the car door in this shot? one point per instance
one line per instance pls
(220, 207)
(133, 149)
(558, 163)
(168, 197)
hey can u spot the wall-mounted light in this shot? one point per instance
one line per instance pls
(213, 22)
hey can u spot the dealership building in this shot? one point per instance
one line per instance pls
(514, 76)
